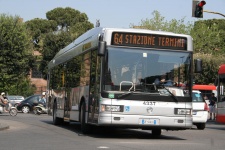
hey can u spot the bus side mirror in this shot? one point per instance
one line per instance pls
(198, 65)
(101, 48)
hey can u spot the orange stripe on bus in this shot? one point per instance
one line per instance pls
(220, 118)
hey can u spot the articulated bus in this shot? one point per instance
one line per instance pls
(107, 77)
(220, 114)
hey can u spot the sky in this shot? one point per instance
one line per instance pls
(113, 13)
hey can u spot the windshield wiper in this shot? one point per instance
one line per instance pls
(122, 96)
(173, 96)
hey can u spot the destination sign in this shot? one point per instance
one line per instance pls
(149, 40)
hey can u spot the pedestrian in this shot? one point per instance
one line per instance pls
(43, 99)
(212, 106)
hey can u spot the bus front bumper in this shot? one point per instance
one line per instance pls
(139, 121)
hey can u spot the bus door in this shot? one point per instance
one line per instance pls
(66, 106)
(93, 105)
(95, 70)
(65, 96)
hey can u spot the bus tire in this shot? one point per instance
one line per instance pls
(85, 128)
(200, 126)
(56, 120)
(156, 132)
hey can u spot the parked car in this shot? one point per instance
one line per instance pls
(15, 99)
(200, 110)
(27, 105)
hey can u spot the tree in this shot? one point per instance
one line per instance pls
(38, 28)
(80, 28)
(210, 68)
(159, 23)
(71, 20)
(209, 36)
(52, 44)
(16, 56)
(209, 45)
(66, 17)
(71, 24)
(61, 27)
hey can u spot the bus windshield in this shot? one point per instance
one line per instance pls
(144, 70)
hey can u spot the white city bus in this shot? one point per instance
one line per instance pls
(108, 77)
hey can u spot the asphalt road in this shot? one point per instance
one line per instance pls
(31, 132)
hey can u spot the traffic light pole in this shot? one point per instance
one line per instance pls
(214, 12)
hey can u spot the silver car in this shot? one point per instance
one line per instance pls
(15, 99)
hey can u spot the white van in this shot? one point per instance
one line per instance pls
(200, 110)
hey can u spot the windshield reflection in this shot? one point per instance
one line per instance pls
(145, 70)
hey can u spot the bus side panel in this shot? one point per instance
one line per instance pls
(220, 116)
(75, 100)
(76, 95)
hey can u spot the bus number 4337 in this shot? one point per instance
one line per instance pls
(148, 103)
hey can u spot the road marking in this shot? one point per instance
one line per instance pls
(103, 147)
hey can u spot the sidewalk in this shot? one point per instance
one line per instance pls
(3, 126)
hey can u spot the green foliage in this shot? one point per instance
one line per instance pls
(209, 45)
(23, 88)
(211, 65)
(16, 56)
(38, 28)
(52, 44)
(80, 28)
(62, 26)
(159, 23)
(66, 17)
(209, 36)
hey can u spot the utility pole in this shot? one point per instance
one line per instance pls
(213, 12)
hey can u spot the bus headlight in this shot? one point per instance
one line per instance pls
(115, 108)
(182, 111)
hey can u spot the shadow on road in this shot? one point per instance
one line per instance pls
(118, 133)
(215, 125)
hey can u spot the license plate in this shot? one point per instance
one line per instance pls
(149, 121)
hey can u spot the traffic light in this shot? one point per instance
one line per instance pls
(197, 8)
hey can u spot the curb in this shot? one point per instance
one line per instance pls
(3, 126)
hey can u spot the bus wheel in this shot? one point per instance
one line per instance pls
(56, 120)
(85, 128)
(156, 132)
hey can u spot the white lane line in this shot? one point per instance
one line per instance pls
(103, 147)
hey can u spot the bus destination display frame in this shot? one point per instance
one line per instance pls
(149, 40)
